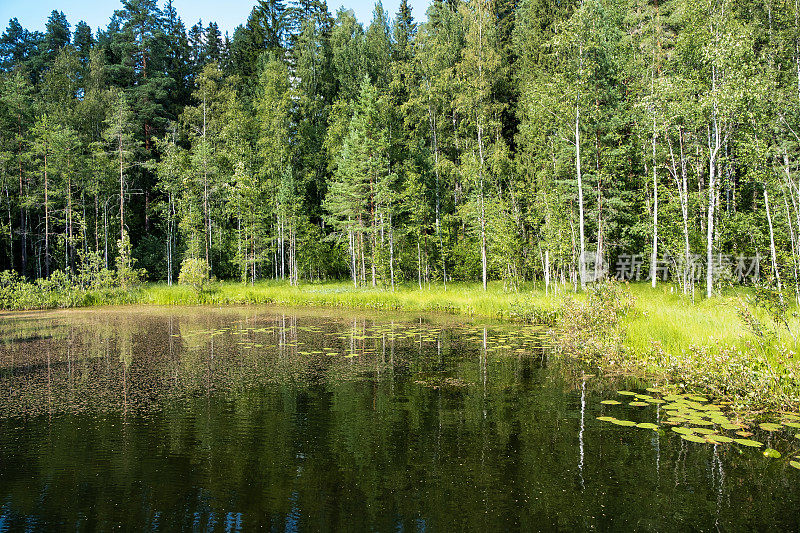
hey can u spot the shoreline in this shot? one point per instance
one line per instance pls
(703, 347)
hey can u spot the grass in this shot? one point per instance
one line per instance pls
(673, 320)
(707, 347)
(458, 298)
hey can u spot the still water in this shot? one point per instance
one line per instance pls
(293, 420)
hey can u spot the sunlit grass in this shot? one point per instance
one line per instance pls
(457, 298)
(666, 316)
(670, 318)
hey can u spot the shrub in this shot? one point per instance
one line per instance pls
(194, 272)
(127, 274)
(92, 273)
(593, 329)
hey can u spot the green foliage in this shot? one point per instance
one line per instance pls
(127, 274)
(93, 274)
(195, 274)
(311, 147)
(594, 329)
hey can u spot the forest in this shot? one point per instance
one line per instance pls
(559, 142)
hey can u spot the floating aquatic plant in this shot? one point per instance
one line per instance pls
(748, 442)
(693, 438)
(702, 420)
(719, 439)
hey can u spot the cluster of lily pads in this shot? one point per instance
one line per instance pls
(323, 341)
(698, 420)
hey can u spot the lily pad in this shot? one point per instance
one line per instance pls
(610, 402)
(748, 442)
(772, 453)
(698, 398)
(626, 393)
(694, 438)
(606, 418)
(683, 430)
(744, 433)
(647, 425)
(623, 422)
(791, 424)
(719, 439)
(769, 426)
(794, 464)
(638, 404)
(702, 431)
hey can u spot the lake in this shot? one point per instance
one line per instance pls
(306, 420)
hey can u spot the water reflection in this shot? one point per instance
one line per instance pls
(237, 418)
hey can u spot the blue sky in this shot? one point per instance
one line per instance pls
(32, 14)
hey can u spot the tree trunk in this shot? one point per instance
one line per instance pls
(483, 209)
(546, 272)
(435, 150)
(654, 257)
(683, 194)
(22, 214)
(710, 229)
(795, 250)
(352, 243)
(46, 218)
(391, 250)
(582, 256)
(419, 261)
(773, 254)
(121, 187)
(206, 218)
(712, 171)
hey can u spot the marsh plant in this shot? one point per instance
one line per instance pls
(61, 290)
(593, 329)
